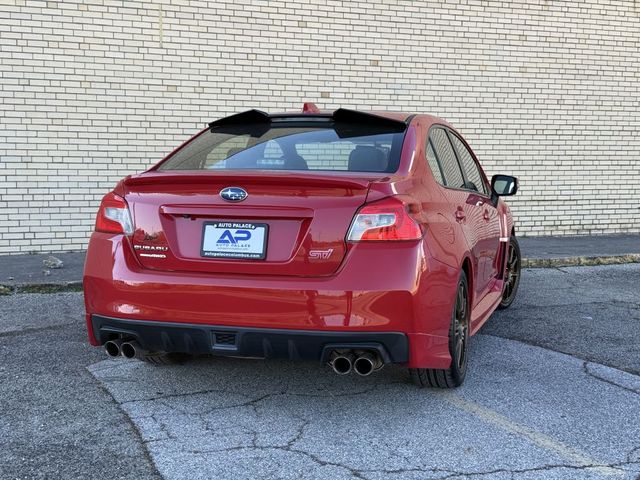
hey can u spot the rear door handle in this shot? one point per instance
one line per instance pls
(460, 215)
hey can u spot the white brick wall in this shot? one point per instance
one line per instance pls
(90, 91)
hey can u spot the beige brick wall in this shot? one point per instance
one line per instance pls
(90, 91)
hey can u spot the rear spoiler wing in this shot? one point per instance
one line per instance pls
(342, 116)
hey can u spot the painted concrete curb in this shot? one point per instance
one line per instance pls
(41, 288)
(580, 261)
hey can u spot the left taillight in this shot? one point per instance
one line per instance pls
(384, 220)
(114, 216)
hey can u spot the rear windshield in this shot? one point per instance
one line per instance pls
(324, 146)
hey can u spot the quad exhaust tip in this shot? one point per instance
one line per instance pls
(128, 349)
(341, 362)
(364, 363)
(131, 349)
(112, 348)
(367, 363)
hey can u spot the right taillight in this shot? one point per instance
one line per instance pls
(386, 219)
(113, 216)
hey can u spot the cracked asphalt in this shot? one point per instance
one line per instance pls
(553, 392)
(56, 421)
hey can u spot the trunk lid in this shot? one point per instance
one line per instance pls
(303, 217)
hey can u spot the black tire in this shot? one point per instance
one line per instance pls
(162, 358)
(458, 346)
(514, 270)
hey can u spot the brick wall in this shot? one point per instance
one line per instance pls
(90, 91)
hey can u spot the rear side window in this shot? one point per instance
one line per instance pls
(279, 145)
(447, 158)
(433, 164)
(471, 170)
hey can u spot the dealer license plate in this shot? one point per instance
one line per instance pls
(234, 240)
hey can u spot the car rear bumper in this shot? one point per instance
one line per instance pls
(249, 342)
(410, 294)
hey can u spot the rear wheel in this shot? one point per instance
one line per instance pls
(512, 279)
(458, 346)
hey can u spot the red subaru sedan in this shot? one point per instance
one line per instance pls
(353, 238)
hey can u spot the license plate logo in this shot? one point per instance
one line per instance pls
(234, 240)
(234, 237)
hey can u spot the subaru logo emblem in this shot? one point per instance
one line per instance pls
(233, 194)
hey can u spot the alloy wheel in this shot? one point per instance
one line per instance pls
(461, 328)
(513, 274)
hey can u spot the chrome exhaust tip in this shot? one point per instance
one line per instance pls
(341, 362)
(112, 347)
(366, 363)
(131, 349)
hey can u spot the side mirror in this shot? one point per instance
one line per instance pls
(504, 185)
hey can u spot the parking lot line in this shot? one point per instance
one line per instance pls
(540, 439)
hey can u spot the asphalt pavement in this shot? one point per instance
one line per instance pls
(589, 312)
(56, 421)
(524, 411)
(553, 392)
